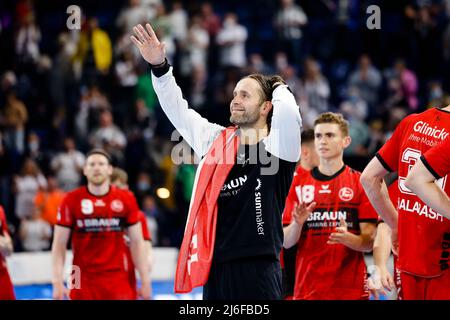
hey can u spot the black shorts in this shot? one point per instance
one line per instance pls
(244, 279)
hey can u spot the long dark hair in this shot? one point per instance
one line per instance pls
(267, 87)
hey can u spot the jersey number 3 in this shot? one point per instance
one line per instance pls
(410, 157)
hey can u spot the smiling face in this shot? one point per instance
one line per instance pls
(97, 169)
(330, 141)
(245, 107)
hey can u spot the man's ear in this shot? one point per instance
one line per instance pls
(266, 107)
(347, 141)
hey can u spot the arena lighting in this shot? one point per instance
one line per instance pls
(163, 193)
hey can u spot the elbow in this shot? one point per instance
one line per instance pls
(287, 244)
(366, 180)
(410, 183)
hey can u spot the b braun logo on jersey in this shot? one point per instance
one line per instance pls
(87, 206)
(235, 183)
(346, 194)
(100, 224)
(117, 205)
(323, 218)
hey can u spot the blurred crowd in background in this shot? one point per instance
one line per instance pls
(65, 91)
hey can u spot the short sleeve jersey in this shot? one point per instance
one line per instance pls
(437, 159)
(424, 235)
(324, 270)
(98, 226)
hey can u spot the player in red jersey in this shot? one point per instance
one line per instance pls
(423, 234)
(334, 222)
(434, 165)
(308, 160)
(6, 248)
(98, 216)
(119, 178)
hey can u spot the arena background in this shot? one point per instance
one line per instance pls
(62, 89)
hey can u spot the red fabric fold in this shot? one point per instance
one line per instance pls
(197, 248)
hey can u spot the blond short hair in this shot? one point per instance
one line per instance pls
(337, 118)
(119, 174)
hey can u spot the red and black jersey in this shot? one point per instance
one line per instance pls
(98, 226)
(423, 234)
(3, 232)
(6, 286)
(437, 159)
(288, 256)
(325, 271)
(292, 196)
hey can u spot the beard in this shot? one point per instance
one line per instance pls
(244, 119)
(97, 180)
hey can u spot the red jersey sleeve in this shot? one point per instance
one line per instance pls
(437, 159)
(3, 223)
(366, 212)
(132, 208)
(65, 213)
(145, 232)
(389, 153)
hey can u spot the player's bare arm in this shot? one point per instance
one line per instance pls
(300, 214)
(362, 242)
(422, 182)
(381, 252)
(60, 240)
(377, 192)
(6, 246)
(140, 259)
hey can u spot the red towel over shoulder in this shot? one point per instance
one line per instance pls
(197, 248)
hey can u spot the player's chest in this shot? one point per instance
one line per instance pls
(327, 191)
(100, 207)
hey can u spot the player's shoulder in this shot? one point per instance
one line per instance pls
(300, 175)
(300, 171)
(77, 193)
(352, 172)
(414, 117)
(122, 193)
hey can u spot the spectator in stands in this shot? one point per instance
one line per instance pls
(289, 21)
(27, 42)
(92, 103)
(47, 201)
(151, 211)
(178, 19)
(315, 87)
(231, 40)
(94, 52)
(14, 119)
(197, 44)
(408, 84)
(108, 136)
(35, 233)
(37, 153)
(26, 185)
(211, 21)
(367, 80)
(133, 14)
(68, 166)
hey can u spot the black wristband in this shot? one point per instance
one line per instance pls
(160, 69)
